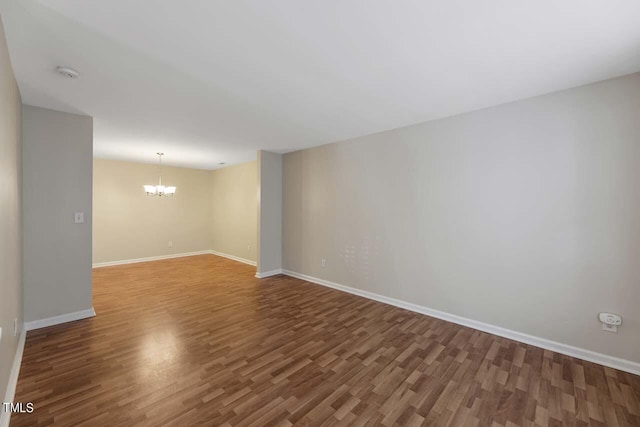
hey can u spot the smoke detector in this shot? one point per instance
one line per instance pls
(68, 72)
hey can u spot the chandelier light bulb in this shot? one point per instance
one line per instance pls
(159, 190)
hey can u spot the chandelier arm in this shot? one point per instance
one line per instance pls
(159, 190)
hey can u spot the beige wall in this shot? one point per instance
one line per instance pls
(128, 224)
(525, 216)
(234, 210)
(56, 171)
(10, 214)
(269, 212)
(210, 210)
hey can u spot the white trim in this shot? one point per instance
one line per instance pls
(182, 255)
(233, 257)
(56, 320)
(5, 417)
(151, 258)
(580, 353)
(268, 273)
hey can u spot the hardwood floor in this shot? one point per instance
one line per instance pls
(200, 341)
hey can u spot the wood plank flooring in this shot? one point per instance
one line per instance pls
(200, 341)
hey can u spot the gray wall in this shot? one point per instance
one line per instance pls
(269, 212)
(234, 201)
(525, 216)
(57, 173)
(10, 214)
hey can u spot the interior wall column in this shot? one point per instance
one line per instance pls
(269, 255)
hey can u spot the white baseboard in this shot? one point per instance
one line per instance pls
(5, 417)
(268, 273)
(151, 258)
(182, 255)
(233, 257)
(56, 320)
(580, 353)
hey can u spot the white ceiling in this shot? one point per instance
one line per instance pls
(214, 81)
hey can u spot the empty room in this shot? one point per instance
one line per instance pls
(318, 213)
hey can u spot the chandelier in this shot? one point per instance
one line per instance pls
(159, 190)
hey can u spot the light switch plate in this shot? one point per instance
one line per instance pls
(79, 217)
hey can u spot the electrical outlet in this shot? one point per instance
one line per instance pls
(610, 328)
(78, 217)
(324, 263)
(170, 244)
